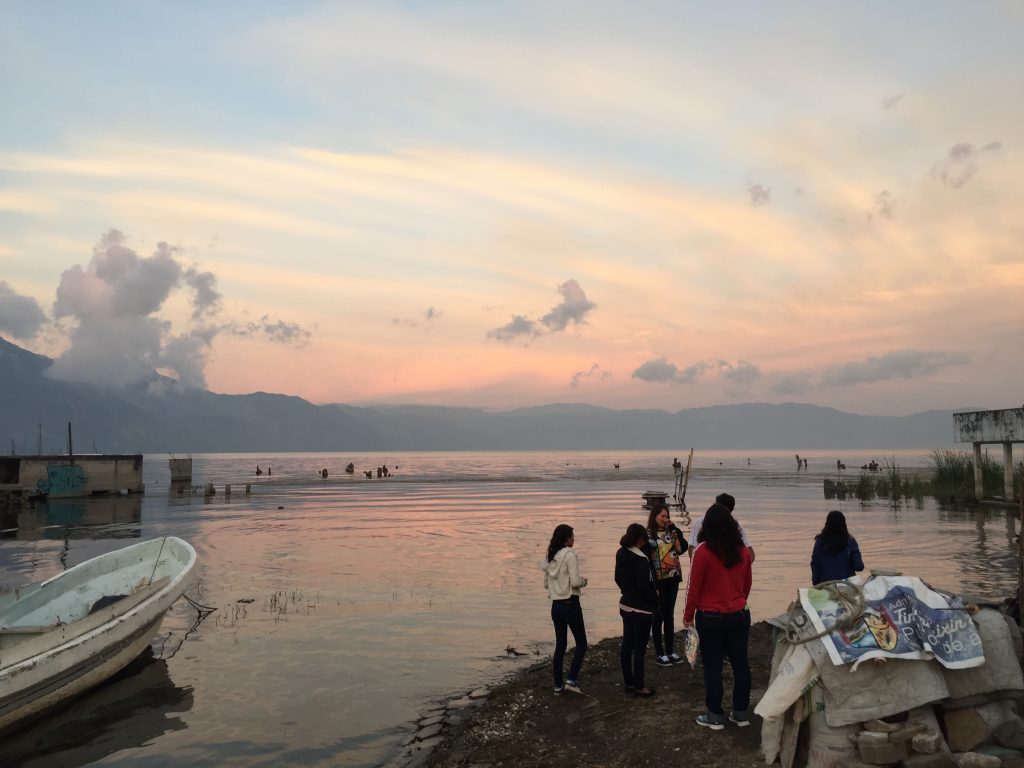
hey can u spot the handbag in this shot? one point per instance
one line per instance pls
(691, 646)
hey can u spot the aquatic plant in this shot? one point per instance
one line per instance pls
(865, 487)
(953, 473)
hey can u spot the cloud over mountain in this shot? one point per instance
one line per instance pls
(20, 316)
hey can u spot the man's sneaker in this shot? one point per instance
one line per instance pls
(675, 658)
(714, 722)
(558, 691)
(742, 719)
(664, 661)
(572, 687)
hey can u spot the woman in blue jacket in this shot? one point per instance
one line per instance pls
(836, 554)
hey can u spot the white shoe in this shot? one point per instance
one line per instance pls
(572, 688)
(664, 661)
(675, 658)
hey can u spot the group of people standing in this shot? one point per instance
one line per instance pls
(648, 572)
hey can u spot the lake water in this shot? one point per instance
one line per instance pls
(373, 598)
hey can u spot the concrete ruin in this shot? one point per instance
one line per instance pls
(1004, 426)
(63, 476)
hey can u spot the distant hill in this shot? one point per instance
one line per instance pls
(141, 419)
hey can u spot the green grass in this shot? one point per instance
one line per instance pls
(953, 474)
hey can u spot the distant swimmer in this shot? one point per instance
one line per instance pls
(616, 465)
(323, 473)
(270, 471)
(368, 473)
(350, 467)
(258, 470)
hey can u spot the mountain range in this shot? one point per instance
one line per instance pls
(155, 416)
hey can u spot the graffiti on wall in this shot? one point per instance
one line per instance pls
(64, 480)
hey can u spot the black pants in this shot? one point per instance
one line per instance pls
(725, 635)
(665, 620)
(636, 628)
(566, 615)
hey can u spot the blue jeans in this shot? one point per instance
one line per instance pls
(636, 628)
(566, 615)
(725, 635)
(665, 620)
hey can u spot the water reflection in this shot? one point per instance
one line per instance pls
(103, 517)
(989, 561)
(131, 709)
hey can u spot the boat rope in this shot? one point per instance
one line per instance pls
(157, 563)
(199, 606)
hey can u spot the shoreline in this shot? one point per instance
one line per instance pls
(520, 723)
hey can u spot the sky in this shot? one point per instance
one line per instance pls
(500, 205)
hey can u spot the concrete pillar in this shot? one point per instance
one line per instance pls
(1008, 471)
(979, 486)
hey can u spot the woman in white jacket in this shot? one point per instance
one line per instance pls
(563, 581)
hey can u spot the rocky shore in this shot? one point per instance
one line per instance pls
(521, 723)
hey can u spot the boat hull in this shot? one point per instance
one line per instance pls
(43, 666)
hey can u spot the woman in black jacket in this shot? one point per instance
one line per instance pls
(637, 606)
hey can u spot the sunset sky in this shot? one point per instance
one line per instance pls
(661, 205)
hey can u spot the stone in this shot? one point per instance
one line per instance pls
(882, 754)
(480, 693)
(927, 743)
(852, 761)
(906, 732)
(869, 737)
(977, 760)
(430, 721)
(429, 732)
(879, 726)
(964, 729)
(1010, 734)
(462, 703)
(938, 760)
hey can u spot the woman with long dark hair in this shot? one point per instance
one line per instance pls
(666, 545)
(716, 598)
(836, 554)
(563, 582)
(637, 606)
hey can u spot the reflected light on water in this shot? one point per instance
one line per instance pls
(372, 598)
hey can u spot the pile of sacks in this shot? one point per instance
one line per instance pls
(896, 712)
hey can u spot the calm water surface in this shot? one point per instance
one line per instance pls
(372, 599)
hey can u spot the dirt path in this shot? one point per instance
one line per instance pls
(523, 724)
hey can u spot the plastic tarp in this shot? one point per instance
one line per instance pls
(902, 618)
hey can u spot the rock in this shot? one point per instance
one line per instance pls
(869, 737)
(927, 743)
(429, 732)
(480, 693)
(462, 703)
(964, 729)
(938, 760)
(430, 720)
(879, 726)
(977, 760)
(908, 731)
(850, 761)
(882, 754)
(1010, 734)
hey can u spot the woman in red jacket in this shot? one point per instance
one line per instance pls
(716, 597)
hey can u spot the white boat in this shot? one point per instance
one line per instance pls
(67, 634)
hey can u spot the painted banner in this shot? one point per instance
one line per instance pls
(903, 618)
